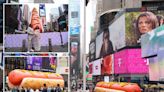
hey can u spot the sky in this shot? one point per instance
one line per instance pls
(47, 7)
(90, 18)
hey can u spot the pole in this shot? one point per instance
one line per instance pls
(84, 39)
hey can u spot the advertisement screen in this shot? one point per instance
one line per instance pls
(140, 25)
(131, 33)
(126, 28)
(42, 10)
(161, 65)
(152, 42)
(97, 67)
(22, 20)
(99, 43)
(106, 78)
(34, 63)
(92, 51)
(144, 28)
(130, 61)
(75, 58)
(154, 69)
(90, 68)
(104, 45)
(1, 20)
(107, 65)
(117, 33)
(48, 63)
(62, 62)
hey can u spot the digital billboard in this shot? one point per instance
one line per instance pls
(161, 65)
(96, 67)
(126, 28)
(154, 69)
(129, 61)
(107, 66)
(62, 61)
(34, 63)
(104, 45)
(92, 51)
(75, 60)
(152, 42)
(117, 33)
(42, 10)
(98, 44)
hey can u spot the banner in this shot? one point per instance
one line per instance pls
(97, 67)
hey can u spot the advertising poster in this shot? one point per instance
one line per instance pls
(161, 65)
(34, 63)
(154, 69)
(152, 42)
(92, 51)
(130, 61)
(97, 67)
(90, 67)
(48, 63)
(126, 28)
(107, 65)
(42, 10)
(117, 33)
(99, 43)
(62, 62)
(74, 18)
(75, 63)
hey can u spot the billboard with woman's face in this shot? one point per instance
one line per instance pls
(161, 65)
(142, 29)
(104, 45)
(133, 28)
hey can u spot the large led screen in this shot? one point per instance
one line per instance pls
(96, 70)
(144, 28)
(92, 51)
(117, 33)
(154, 69)
(62, 62)
(75, 58)
(107, 66)
(130, 61)
(152, 42)
(22, 20)
(99, 43)
(104, 45)
(34, 63)
(161, 65)
(127, 27)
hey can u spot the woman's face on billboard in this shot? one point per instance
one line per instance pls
(144, 24)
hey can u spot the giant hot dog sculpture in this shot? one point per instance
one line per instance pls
(117, 87)
(34, 79)
(35, 20)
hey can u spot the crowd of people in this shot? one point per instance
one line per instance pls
(43, 89)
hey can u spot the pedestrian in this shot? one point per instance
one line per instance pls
(37, 39)
(58, 89)
(31, 36)
(44, 88)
